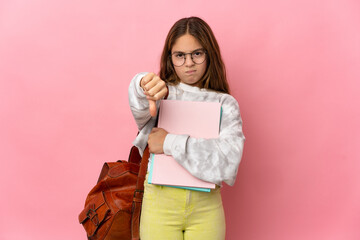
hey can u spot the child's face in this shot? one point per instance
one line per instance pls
(189, 73)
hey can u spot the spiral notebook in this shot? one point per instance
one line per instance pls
(196, 119)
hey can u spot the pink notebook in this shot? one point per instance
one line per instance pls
(197, 119)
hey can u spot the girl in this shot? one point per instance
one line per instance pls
(191, 69)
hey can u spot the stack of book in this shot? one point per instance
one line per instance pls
(196, 119)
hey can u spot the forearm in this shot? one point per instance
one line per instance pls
(139, 105)
(213, 160)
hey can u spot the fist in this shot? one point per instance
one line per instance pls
(156, 140)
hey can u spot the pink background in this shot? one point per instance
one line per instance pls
(293, 66)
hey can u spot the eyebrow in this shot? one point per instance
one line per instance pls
(188, 52)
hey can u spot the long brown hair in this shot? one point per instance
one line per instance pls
(215, 74)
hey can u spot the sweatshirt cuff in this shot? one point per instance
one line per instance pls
(174, 143)
(138, 90)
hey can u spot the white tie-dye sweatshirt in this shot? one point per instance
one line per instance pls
(213, 160)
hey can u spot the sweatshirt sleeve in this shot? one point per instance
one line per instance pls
(139, 105)
(213, 160)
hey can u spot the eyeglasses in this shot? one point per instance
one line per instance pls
(198, 56)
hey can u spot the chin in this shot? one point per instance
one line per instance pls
(191, 81)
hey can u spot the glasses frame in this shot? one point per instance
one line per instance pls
(191, 53)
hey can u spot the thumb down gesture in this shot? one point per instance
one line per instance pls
(154, 89)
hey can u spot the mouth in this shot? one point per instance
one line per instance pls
(190, 71)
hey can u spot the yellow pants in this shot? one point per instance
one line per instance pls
(173, 214)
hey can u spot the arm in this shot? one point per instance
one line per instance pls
(213, 160)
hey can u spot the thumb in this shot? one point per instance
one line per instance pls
(152, 108)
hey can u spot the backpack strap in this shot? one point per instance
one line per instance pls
(139, 191)
(138, 196)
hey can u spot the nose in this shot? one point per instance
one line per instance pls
(188, 60)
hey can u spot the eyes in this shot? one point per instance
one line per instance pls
(195, 54)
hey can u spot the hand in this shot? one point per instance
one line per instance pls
(156, 140)
(155, 89)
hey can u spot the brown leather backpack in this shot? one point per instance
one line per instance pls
(112, 207)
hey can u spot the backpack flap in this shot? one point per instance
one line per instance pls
(95, 214)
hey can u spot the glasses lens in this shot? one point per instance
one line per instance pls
(198, 56)
(178, 59)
